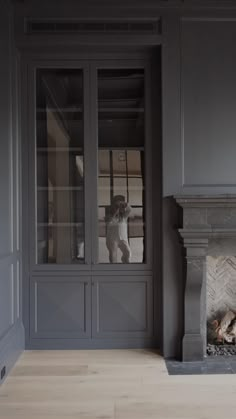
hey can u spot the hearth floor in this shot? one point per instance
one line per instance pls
(210, 365)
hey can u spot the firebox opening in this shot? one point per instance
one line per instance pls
(221, 305)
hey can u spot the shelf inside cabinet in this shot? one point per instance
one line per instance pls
(59, 149)
(60, 224)
(117, 110)
(60, 188)
(72, 109)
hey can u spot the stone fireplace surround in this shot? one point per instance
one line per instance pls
(209, 229)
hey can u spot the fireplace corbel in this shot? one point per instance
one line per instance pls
(194, 340)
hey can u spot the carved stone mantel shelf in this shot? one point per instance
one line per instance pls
(206, 220)
(208, 233)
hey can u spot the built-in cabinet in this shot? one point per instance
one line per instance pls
(89, 156)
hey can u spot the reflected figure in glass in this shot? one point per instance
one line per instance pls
(117, 229)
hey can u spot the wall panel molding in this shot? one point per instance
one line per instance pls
(207, 101)
(11, 329)
(11, 346)
(171, 130)
(7, 300)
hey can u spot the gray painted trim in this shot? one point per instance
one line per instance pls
(88, 163)
(114, 343)
(171, 147)
(208, 19)
(23, 75)
(156, 158)
(9, 257)
(38, 41)
(134, 4)
(209, 4)
(12, 339)
(86, 53)
(91, 273)
(11, 346)
(94, 142)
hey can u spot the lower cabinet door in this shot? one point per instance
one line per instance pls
(103, 307)
(122, 306)
(60, 307)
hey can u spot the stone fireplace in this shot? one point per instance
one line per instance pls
(209, 237)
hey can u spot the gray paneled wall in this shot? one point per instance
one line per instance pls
(199, 134)
(208, 104)
(11, 330)
(199, 100)
(199, 124)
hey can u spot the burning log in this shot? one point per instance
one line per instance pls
(233, 328)
(225, 330)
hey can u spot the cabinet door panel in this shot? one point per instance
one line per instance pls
(121, 166)
(122, 306)
(60, 307)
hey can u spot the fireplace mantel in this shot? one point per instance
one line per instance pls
(206, 219)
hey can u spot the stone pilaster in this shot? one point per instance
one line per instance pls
(194, 339)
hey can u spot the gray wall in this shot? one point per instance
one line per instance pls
(11, 329)
(199, 124)
(199, 134)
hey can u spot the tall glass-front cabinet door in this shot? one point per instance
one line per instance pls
(60, 174)
(121, 165)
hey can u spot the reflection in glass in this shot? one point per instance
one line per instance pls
(120, 212)
(121, 200)
(60, 167)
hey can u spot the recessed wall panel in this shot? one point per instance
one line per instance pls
(5, 146)
(208, 102)
(6, 298)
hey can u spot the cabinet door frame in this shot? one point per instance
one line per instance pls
(32, 68)
(116, 65)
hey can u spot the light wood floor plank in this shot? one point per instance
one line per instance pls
(115, 384)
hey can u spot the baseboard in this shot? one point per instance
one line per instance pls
(11, 346)
(73, 344)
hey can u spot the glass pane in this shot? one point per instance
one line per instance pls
(60, 167)
(121, 195)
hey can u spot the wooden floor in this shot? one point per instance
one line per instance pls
(115, 384)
